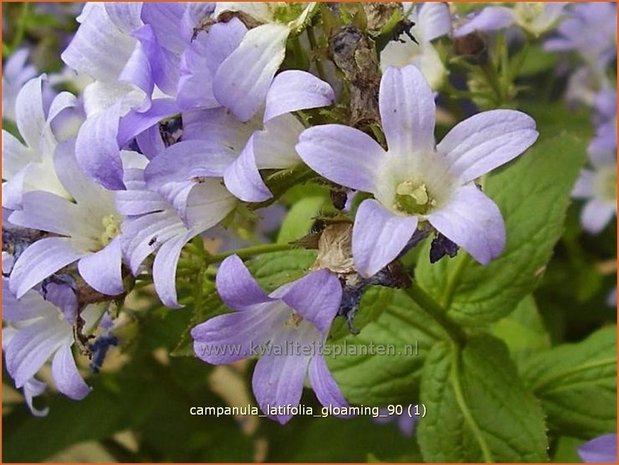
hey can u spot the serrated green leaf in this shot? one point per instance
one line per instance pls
(405, 333)
(577, 384)
(533, 194)
(478, 410)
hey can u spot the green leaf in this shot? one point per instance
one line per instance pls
(300, 218)
(478, 410)
(522, 330)
(577, 384)
(533, 194)
(274, 269)
(537, 60)
(382, 365)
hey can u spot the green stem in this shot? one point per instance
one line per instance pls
(248, 252)
(428, 304)
(315, 55)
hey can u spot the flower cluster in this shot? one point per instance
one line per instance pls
(187, 119)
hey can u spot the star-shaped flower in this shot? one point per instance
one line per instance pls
(416, 180)
(290, 325)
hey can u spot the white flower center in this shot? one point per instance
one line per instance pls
(528, 12)
(111, 229)
(415, 184)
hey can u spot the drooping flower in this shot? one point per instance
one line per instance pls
(417, 180)
(134, 58)
(152, 224)
(38, 330)
(536, 18)
(432, 20)
(29, 166)
(83, 229)
(216, 143)
(244, 77)
(602, 449)
(591, 30)
(289, 326)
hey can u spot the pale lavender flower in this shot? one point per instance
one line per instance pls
(244, 78)
(84, 229)
(605, 120)
(290, 325)
(417, 180)
(432, 20)
(133, 53)
(591, 30)
(38, 330)
(602, 449)
(217, 143)
(28, 166)
(536, 18)
(598, 186)
(15, 73)
(151, 224)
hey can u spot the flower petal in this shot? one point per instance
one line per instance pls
(31, 305)
(407, 111)
(243, 179)
(316, 297)
(473, 221)
(278, 379)
(486, 141)
(208, 203)
(67, 378)
(433, 20)
(46, 212)
(584, 187)
(102, 269)
(186, 160)
(379, 236)
(333, 149)
(596, 215)
(143, 235)
(296, 90)
(235, 336)
(491, 18)
(29, 112)
(602, 449)
(33, 345)
(201, 60)
(324, 385)
(243, 79)
(274, 146)
(33, 388)
(237, 287)
(40, 260)
(96, 148)
(99, 48)
(164, 268)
